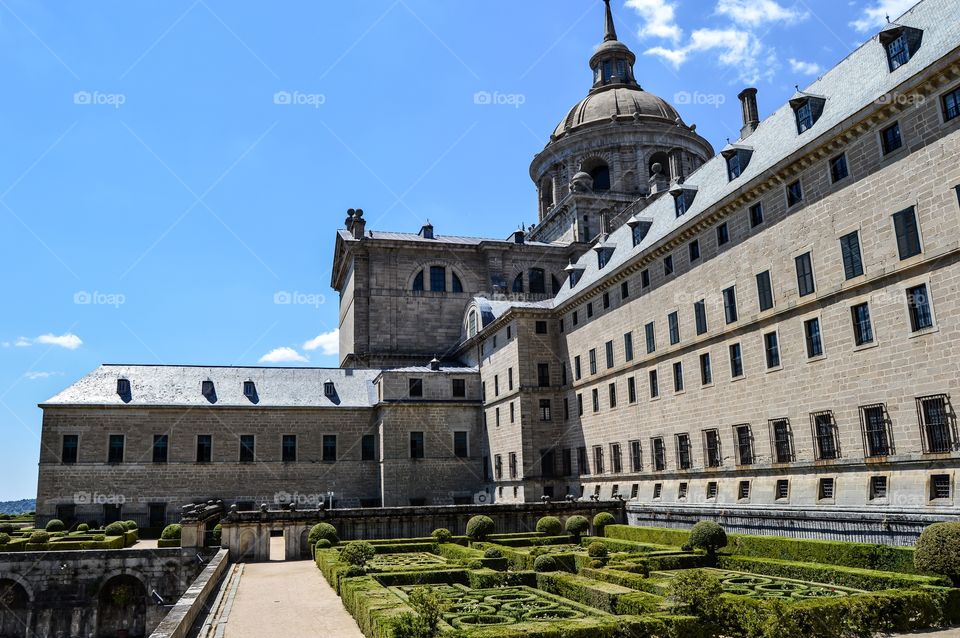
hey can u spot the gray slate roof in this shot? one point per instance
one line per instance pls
(159, 386)
(854, 83)
(437, 239)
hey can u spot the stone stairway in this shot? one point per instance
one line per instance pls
(215, 622)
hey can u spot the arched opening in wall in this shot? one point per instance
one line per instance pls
(661, 159)
(538, 281)
(546, 194)
(518, 283)
(600, 172)
(278, 544)
(248, 546)
(455, 284)
(122, 608)
(305, 543)
(14, 612)
(418, 282)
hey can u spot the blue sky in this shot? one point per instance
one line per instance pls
(173, 171)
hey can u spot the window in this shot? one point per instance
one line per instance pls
(744, 444)
(733, 166)
(730, 304)
(684, 456)
(771, 345)
(636, 459)
(68, 451)
(510, 379)
(723, 234)
(711, 490)
(608, 347)
(951, 105)
(589, 310)
(247, 448)
(459, 388)
(825, 489)
(794, 194)
(782, 490)
(743, 490)
(937, 424)
(616, 460)
(329, 448)
(513, 465)
(628, 346)
(624, 290)
(890, 138)
(518, 283)
(878, 488)
(694, 248)
(782, 439)
(678, 376)
(547, 464)
(765, 291)
(576, 317)
(852, 260)
(540, 327)
(249, 389)
(161, 446)
(862, 329)
(673, 320)
(900, 44)
(811, 331)
(635, 490)
(455, 284)
(756, 215)
(838, 168)
(654, 385)
(579, 405)
(597, 459)
(416, 387)
(612, 393)
(123, 387)
(115, 450)
(631, 390)
(706, 370)
(461, 448)
(207, 389)
(918, 304)
(567, 461)
(606, 300)
(204, 448)
(825, 436)
(700, 315)
(680, 204)
(497, 467)
(940, 487)
(418, 282)
(582, 466)
(438, 279)
(545, 409)
(657, 491)
(804, 115)
(538, 281)
(416, 445)
(659, 455)
(566, 409)
(593, 360)
(512, 413)
(288, 448)
(668, 265)
(644, 278)
(682, 490)
(711, 444)
(640, 230)
(543, 375)
(736, 361)
(595, 395)
(577, 372)
(651, 338)
(908, 235)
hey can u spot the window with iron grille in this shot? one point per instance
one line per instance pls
(711, 444)
(878, 487)
(951, 105)
(811, 332)
(805, 283)
(673, 320)
(513, 465)
(700, 314)
(939, 487)
(657, 490)
(598, 459)
(636, 458)
(838, 168)
(743, 490)
(825, 435)
(918, 303)
(782, 439)
(682, 490)
(545, 410)
(730, 304)
(706, 369)
(651, 338)
(825, 489)
(891, 139)
(875, 427)
(659, 454)
(937, 424)
(608, 347)
(764, 291)
(684, 455)
(678, 376)
(852, 259)
(612, 394)
(862, 328)
(616, 458)
(711, 490)
(908, 233)
(582, 467)
(744, 444)
(736, 361)
(783, 489)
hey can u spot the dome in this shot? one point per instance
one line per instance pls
(620, 102)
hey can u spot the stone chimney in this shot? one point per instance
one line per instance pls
(426, 231)
(751, 116)
(435, 364)
(356, 223)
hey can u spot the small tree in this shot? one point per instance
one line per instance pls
(709, 536)
(357, 553)
(577, 526)
(425, 623)
(55, 525)
(442, 535)
(480, 527)
(323, 530)
(169, 533)
(83, 527)
(696, 592)
(117, 529)
(544, 564)
(938, 551)
(550, 525)
(600, 521)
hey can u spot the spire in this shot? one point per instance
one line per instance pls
(611, 30)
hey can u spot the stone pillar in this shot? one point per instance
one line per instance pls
(191, 535)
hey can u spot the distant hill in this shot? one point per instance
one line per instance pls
(18, 507)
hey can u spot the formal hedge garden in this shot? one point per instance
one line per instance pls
(633, 582)
(56, 537)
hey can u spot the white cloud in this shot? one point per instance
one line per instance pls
(804, 68)
(328, 343)
(659, 19)
(69, 341)
(23, 342)
(740, 50)
(283, 355)
(876, 16)
(34, 376)
(753, 13)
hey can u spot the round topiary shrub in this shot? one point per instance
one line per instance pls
(4, 538)
(354, 571)
(938, 550)
(357, 553)
(55, 525)
(577, 525)
(544, 564)
(601, 520)
(598, 564)
(169, 533)
(709, 536)
(323, 544)
(479, 527)
(130, 525)
(323, 530)
(442, 535)
(493, 552)
(118, 529)
(687, 547)
(6, 528)
(99, 538)
(550, 525)
(83, 527)
(596, 549)
(39, 538)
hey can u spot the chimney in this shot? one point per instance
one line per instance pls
(751, 116)
(359, 223)
(435, 364)
(426, 231)
(519, 236)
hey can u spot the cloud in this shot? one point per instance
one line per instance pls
(23, 342)
(804, 68)
(36, 375)
(328, 343)
(754, 13)
(69, 341)
(283, 355)
(659, 19)
(735, 48)
(876, 16)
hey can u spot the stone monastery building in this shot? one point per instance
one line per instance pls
(769, 335)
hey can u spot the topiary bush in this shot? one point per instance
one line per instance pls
(118, 529)
(130, 525)
(696, 592)
(442, 535)
(938, 550)
(55, 525)
(323, 531)
(709, 536)
(601, 520)
(354, 571)
(597, 549)
(39, 538)
(493, 552)
(217, 533)
(83, 527)
(577, 526)
(544, 564)
(598, 564)
(4, 538)
(100, 537)
(425, 623)
(550, 525)
(357, 553)
(479, 527)
(6, 528)
(169, 533)
(324, 544)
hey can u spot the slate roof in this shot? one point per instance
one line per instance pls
(444, 369)
(437, 239)
(180, 386)
(853, 84)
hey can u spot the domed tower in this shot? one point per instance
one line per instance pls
(618, 145)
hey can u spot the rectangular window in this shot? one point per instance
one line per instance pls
(548, 463)
(682, 490)
(723, 234)
(624, 290)
(510, 379)
(368, 447)
(616, 460)
(567, 461)
(598, 460)
(838, 168)
(589, 310)
(593, 361)
(730, 304)
(825, 436)
(563, 374)
(771, 345)
(657, 491)
(918, 303)
(852, 259)
(700, 315)
(438, 279)
(744, 444)
(878, 487)
(694, 248)
(545, 410)
(678, 376)
(645, 279)
(329, 447)
(659, 455)
(668, 265)
(765, 291)
(636, 458)
(711, 443)
(513, 465)
(204, 448)
(459, 388)
(576, 317)
(756, 215)
(805, 283)
(736, 361)
(743, 490)
(706, 369)
(804, 115)
(161, 446)
(712, 489)
(794, 194)
(115, 452)
(651, 338)
(566, 409)
(782, 439)
(951, 105)
(579, 405)
(631, 390)
(628, 346)
(595, 395)
(68, 451)
(497, 413)
(684, 456)
(890, 138)
(247, 443)
(497, 467)
(874, 427)
(606, 300)
(783, 489)
(582, 467)
(940, 487)
(898, 52)
(577, 371)
(811, 332)
(862, 328)
(937, 425)
(825, 489)
(543, 375)
(654, 385)
(512, 413)
(908, 234)
(461, 448)
(673, 320)
(612, 394)
(416, 445)
(608, 347)
(416, 387)
(540, 328)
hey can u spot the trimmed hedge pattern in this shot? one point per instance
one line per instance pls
(854, 577)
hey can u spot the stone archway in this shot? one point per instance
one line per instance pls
(121, 608)
(247, 549)
(14, 609)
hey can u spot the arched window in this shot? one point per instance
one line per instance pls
(472, 324)
(601, 178)
(455, 284)
(538, 281)
(518, 283)
(418, 282)
(664, 162)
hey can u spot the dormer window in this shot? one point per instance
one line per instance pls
(682, 198)
(900, 43)
(123, 387)
(328, 389)
(639, 228)
(603, 256)
(807, 109)
(738, 158)
(249, 389)
(206, 388)
(574, 272)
